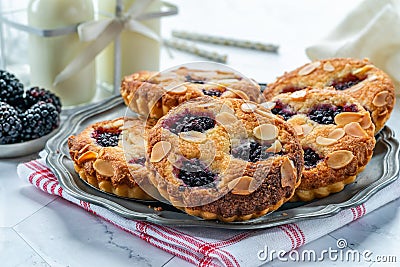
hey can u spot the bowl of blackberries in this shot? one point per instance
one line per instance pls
(28, 117)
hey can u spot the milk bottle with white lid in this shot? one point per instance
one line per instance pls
(48, 56)
(138, 52)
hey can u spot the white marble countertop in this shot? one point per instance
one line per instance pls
(70, 236)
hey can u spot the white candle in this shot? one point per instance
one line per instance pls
(138, 52)
(48, 56)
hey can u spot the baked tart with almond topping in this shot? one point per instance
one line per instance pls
(225, 159)
(336, 134)
(359, 79)
(153, 94)
(100, 160)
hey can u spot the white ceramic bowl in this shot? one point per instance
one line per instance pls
(25, 148)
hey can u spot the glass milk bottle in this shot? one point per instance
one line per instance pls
(138, 52)
(48, 56)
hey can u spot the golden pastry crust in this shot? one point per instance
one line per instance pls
(242, 183)
(344, 144)
(154, 94)
(108, 167)
(360, 79)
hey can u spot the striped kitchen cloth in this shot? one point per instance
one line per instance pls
(215, 247)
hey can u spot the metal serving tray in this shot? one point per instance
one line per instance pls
(382, 170)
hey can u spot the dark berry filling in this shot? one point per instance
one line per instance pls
(190, 79)
(191, 122)
(105, 138)
(139, 161)
(291, 89)
(346, 82)
(325, 113)
(193, 173)
(251, 152)
(282, 110)
(212, 92)
(311, 158)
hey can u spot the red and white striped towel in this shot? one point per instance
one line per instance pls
(214, 247)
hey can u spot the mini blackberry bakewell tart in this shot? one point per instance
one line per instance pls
(153, 94)
(100, 160)
(225, 159)
(358, 78)
(336, 134)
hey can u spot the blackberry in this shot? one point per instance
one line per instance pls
(252, 151)
(191, 80)
(346, 82)
(349, 108)
(39, 120)
(190, 122)
(325, 113)
(212, 92)
(11, 89)
(291, 89)
(105, 138)
(282, 110)
(193, 173)
(36, 94)
(140, 161)
(10, 124)
(311, 158)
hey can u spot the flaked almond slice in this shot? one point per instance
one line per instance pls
(178, 90)
(248, 107)
(328, 67)
(227, 81)
(240, 94)
(103, 167)
(135, 139)
(128, 124)
(357, 87)
(83, 149)
(298, 94)
(160, 150)
(355, 129)
(242, 186)
(298, 129)
(193, 136)
(372, 78)
(337, 134)
(309, 68)
(268, 105)
(362, 70)
(226, 108)
(228, 94)
(347, 117)
(306, 129)
(225, 118)
(207, 104)
(288, 173)
(383, 113)
(88, 155)
(265, 113)
(339, 159)
(323, 141)
(380, 99)
(118, 123)
(276, 147)
(366, 122)
(265, 132)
